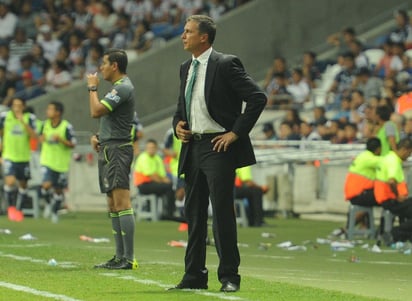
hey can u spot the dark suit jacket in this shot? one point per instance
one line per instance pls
(227, 86)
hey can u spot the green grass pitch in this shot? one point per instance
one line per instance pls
(271, 273)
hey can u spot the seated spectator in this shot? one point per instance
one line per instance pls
(143, 37)
(122, 36)
(58, 76)
(298, 88)
(65, 29)
(286, 131)
(359, 182)
(311, 71)
(342, 39)
(11, 65)
(92, 38)
(150, 177)
(28, 19)
(29, 89)
(343, 82)
(278, 66)
(105, 19)
(82, 18)
(403, 27)
(404, 77)
(279, 96)
(245, 187)
(308, 133)
(216, 8)
(93, 59)
(26, 63)
(391, 62)
(336, 132)
(20, 45)
(7, 87)
(8, 22)
(39, 60)
(367, 83)
(351, 133)
(361, 60)
(269, 131)
(386, 130)
(391, 191)
(138, 11)
(357, 107)
(48, 42)
(292, 116)
(344, 113)
(319, 115)
(75, 56)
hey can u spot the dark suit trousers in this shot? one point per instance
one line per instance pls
(209, 173)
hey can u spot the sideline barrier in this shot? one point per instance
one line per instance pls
(316, 171)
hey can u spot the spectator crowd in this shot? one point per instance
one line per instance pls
(46, 44)
(346, 92)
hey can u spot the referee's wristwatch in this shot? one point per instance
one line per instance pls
(92, 88)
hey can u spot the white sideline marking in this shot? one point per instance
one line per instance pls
(63, 264)
(26, 246)
(377, 262)
(33, 291)
(165, 286)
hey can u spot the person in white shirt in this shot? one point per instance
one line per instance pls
(8, 22)
(298, 88)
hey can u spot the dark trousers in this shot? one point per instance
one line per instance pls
(404, 211)
(366, 199)
(209, 174)
(164, 190)
(254, 196)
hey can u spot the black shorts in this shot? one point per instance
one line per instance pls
(114, 164)
(20, 170)
(57, 179)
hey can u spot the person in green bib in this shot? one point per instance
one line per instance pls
(57, 141)
(150, 177)
(16, 129)
(387, 132)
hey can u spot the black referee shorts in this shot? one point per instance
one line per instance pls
(114, 163)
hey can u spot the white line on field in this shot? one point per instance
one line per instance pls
(376, 262)
(26, 246)
(29, 290)
(221, 296)
(63, 264)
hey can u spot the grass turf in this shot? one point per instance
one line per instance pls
(270, 273)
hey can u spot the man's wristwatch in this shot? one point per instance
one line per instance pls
(92, 88)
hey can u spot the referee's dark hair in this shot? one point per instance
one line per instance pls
(373, 144)
(58, 106)
(119, 57)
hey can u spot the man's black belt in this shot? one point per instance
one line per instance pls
(198, 136)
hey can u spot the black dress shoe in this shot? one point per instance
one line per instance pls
(192, 286)
(229, 287)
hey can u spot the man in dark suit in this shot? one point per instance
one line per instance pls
(215, 133)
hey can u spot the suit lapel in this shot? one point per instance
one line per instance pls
(210, 73)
